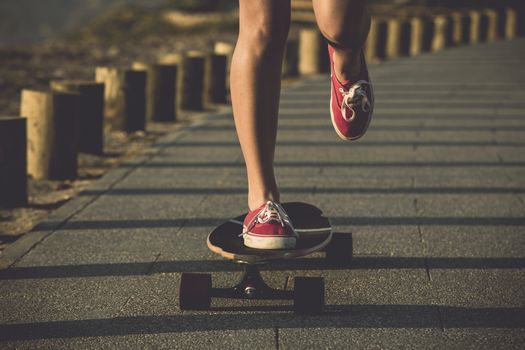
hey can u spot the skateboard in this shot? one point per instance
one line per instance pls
(315, 234)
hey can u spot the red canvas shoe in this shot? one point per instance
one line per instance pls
(269, 227)
(351, 103)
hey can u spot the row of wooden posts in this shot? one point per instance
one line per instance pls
(72, 116)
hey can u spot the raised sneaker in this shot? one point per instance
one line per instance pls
(351, 102)
(269, 227)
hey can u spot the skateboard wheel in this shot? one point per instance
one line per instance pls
(195, 291)
(339, 250)
(308, 295)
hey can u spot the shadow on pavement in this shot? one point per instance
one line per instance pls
(336, 316)
(208, 223)
(315, 263)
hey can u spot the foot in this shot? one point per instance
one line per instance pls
(351, 102)
(269, 227)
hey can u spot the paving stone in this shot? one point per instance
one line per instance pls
(482, 206)
(39, 299)
(498, 245)
(480, 287)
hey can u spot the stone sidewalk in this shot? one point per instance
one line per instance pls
(434, 196)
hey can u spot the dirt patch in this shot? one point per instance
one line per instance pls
(192, 20)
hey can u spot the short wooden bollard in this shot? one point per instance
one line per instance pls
(382, 36)
(371, 40)
(442, 33)
(491, 19)
(398, 38)
(313, 55)
(226, 49)
(124, 98)
(291, 59)
(160, 90)
(13, 162)
(90, 112)
(475, 27)
(171, 59)
(457, 28)
(135, 97)
(191, 82)
(511, 23)
(421, 34)
(393, 41)
(376, 42)
(215, 78)
(52, 133)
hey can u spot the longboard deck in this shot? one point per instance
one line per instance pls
(312, 226)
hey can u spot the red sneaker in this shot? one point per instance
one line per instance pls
(269, 227)
(351, 103)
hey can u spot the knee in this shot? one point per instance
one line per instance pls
(265, 35)
(351, 35)
(341, 37)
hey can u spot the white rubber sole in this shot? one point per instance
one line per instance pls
(272, 242)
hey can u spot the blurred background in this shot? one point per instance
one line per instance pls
(31, 21)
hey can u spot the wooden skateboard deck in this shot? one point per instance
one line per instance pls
(313, 228)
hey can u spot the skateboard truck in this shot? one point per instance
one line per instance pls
(251, 286)
(196, 291)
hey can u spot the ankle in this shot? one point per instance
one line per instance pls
(348, 65)
(256, 200)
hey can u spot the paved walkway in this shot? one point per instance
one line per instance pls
(434, 196)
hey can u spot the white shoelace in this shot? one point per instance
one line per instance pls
(271, 212)
(354, 97)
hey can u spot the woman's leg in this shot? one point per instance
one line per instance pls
(345, 24)
(255, 82)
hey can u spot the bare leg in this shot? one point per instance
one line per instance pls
(345, 24)
(255, 82)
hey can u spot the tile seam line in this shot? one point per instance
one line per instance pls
(161, 145)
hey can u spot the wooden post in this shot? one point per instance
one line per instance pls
(160, 90)
(135, 98)
(13, 162)
(398, 38)
(191, 90)
(393, 41)
(491, 24)
(215, 78)
(475, 24)
(511, 23)
(417, 34)
(124, 98)
(113, 81)
(225, 48)
(90, 112)
(291, 59)
(171, 58)
(313, 54)
(441, 33)
(52, 133)
(465, 28)
(457, 28)
(382, 33)
(371, 41)
(421, 34)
